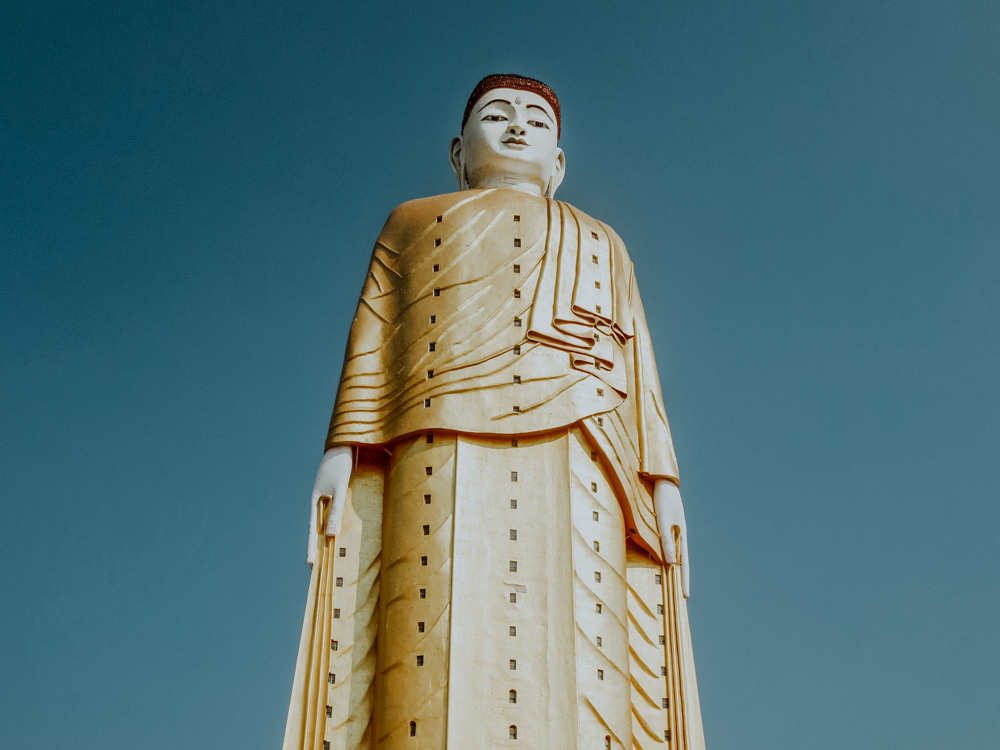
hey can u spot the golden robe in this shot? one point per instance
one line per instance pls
(497, 580)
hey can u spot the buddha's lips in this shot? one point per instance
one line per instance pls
(518, 141)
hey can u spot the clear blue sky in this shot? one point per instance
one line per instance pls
(189, 193)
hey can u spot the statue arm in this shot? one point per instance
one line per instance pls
(332, 480)
(670, 515)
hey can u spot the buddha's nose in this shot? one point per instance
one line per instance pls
(515, 129)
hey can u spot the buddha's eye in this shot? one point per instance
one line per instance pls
(538, 124)
(494, 118)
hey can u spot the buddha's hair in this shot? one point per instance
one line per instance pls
(514, 81)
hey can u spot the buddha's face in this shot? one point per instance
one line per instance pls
(511, 138)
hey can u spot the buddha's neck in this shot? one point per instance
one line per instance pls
(514, 182)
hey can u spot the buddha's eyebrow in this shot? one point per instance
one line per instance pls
(538, 106)
(492, 101)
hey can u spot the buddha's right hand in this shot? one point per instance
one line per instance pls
(332, 479)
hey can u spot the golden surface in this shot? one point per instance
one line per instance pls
(538, 411)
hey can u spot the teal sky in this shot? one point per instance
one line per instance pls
(810, 192)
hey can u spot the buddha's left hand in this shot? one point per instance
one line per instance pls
(670, 515)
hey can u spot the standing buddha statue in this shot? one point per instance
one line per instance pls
(497, 539)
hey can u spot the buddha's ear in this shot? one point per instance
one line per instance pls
(558, 173)
(457, 163)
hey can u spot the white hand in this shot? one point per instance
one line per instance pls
(669, 514)
(332, 479)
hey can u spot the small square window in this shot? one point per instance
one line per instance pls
(517, 380)
(340, 583)
(513, 598)
(513, 535)
(597, 285)
(658, 579)
(513, 442)
(437, 292)
(430, 435)
(593, 259)
(420, 627)
(659, 609)
(329, 710)
(517, 322)
(423, 560)
(429, 470)
(427, 530)
(517, 294)
(437, 242)
(598, 311)
(336, 614)
(599, 608)
(333, 645)
(436, 267)
(342, 552)
(427, 499)
(666, 735)
(593, 486)
(666, 703)
(600, 674)
(600, 421)
(513, 663)
(513, 476)
(597, 516)
(594, 235)
(517, 409)
(597, 576)
(420, 660)
(598, 641)
(512, 566)
(430, 374)
(517, 242)
(332, 679)
(597, 546)
(663, 640)
(439, 219)
(423, 593)
(431, 346)
(600, 391)
(517, 350)
(326, 745)
(427, 403)
(663, 671)
(516, 217)
(434, 319)
(513, 504)
(513, 630)
(517, 268)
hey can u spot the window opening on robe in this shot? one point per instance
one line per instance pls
(513, 504)
(331, 678)
(336, 614)
(513, 663)
(607, 742)
(427, 499)
(666, 703)
(420, 627)
(517, 242)
(329, 712)
(437, 243)
(598, 641)
(512, 696)
(333, 645)
(420, 660)
(512, 566)
(342, 552)
(513, 598)
(513, 630)
(427, 530)
(513, 476)
(659, 609)
(512, 732)
(423, 593)
(427, 403)
(423, 560)
(340, 582)
(413, 729)
(436, 268)
(513, 535)
(600, 674)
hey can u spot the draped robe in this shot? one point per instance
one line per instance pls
(497, 578)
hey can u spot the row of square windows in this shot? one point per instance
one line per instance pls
(511, 733)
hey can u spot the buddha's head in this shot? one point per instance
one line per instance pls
(510, 137)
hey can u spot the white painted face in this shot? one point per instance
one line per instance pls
(510, 140)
